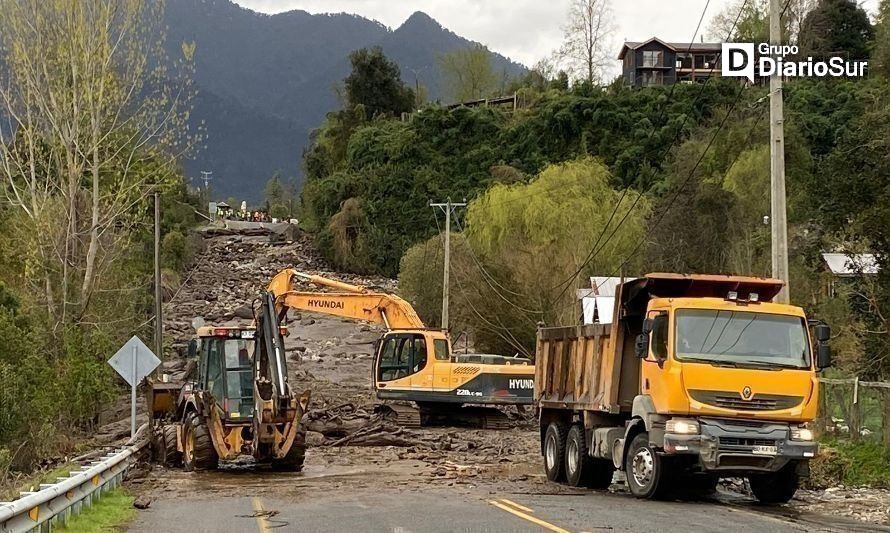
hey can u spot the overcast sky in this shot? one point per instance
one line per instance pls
(524, 30)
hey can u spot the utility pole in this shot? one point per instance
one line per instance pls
(778, 208)
(447, 207)
(159, 318)
(206, 176)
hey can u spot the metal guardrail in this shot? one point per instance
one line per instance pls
(56, 503)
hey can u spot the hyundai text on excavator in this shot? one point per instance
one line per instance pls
(238, 402)
(413, 362)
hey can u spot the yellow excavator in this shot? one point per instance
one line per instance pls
(413, 362)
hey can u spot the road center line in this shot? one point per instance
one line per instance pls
(260, 515)
(516, 505)
(537, 521)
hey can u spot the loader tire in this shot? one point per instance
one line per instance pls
(199, 453)
(293, 461)
(167, 454)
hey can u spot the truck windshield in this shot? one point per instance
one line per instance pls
(742, 338)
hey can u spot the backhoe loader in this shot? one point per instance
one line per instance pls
(238, 401)
(413, 362)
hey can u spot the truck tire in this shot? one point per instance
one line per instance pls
(647, 472)
(775, 487)
(581, 469)
(293, 460)
(555, 451)
(167, 454)
(199, 453)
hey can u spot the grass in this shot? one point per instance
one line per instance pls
(110, 513)
(11, 491)
(864, 464)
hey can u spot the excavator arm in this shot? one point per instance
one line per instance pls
(351, 301)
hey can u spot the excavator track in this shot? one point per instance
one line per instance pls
(404, 415)
(433, 414)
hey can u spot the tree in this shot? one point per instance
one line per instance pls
(836, 27)
(537, 235)
(881, 52)
(280, 198)
(96, 120)
(748, 21)
(587, 49)
(468, 74)
(376, 83)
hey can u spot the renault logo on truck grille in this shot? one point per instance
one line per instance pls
(746, 393)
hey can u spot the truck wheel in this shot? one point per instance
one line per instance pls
(168, 455)
(199, 453)
(775, 487)
(293, 461)
(576, 459)
(555, 451)
(581, 469)
(647, 472)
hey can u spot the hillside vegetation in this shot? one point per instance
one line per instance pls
(585, 180)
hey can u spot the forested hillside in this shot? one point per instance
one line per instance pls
(265, 81)
(587, 180)
(78, 180)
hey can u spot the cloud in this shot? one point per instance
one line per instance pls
(524, 30)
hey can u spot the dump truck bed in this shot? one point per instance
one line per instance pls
(577, 367)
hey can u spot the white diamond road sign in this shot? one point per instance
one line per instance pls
(146, 361)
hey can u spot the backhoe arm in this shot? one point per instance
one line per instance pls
(355, 302)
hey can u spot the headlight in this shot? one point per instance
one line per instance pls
(801, 433)
(682, 426)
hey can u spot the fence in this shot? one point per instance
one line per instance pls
(854, 409)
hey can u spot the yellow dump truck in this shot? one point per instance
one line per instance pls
(696, 377)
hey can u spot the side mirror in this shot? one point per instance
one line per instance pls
(823, 356)
(193, 348)
(642, 345)
(823, 332)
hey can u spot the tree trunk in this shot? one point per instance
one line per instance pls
(93, 249)
(885, 399)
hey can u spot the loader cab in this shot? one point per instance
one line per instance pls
(225, 369)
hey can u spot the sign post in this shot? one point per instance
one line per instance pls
(133, 362)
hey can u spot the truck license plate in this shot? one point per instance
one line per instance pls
(765, 450)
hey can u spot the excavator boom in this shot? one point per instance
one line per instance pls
(413, 362)
(355, 302)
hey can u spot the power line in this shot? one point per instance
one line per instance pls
(512, 341)
(597, 247)
(490, 281)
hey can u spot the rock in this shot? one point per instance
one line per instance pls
(243, 312)
(142, 502)
(307, 321)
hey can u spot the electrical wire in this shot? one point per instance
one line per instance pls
(512, 341)
(597, 247)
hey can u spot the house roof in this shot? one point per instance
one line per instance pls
(676, 47)
(851, 264)
(222, 204)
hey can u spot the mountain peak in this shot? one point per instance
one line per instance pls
(419, 19)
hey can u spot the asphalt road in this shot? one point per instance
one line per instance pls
(406, 512)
